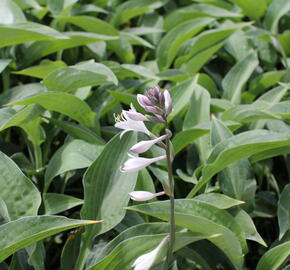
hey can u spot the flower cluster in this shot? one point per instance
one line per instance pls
(159, 105)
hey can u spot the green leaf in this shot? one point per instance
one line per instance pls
(254, 9)
(180, 94)
(64, 103)
(170, 43)
(274, 257)
(218, 200)
(4, 63)
(238, 76)
(196, 10)
(241, 190)
(25, 231)
(248, 226)
(18, 192)
(73, 155)
(282, 108)
(17, 33)
(55, 203)
(10, 13)
(275, 11)
(200, 217)
(27, 118)
(40, 49)
(133, 8)
(238, 147)
(42, 70)
(91, 24)
(129, 250)
(77, 131)
(205, 42)
(284, 211)
(83, 74)
(105, 179)
(138, 71)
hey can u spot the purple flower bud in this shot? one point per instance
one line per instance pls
(167, 102)
(154, 109)
(143, 146)
(156, 119)
(143, 100)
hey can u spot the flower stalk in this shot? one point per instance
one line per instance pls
(159, 105)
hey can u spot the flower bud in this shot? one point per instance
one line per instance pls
(141, 196)
(143, 146)
(167, 102)
(135, 164)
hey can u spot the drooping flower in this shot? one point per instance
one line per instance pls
(143, 146)
(124, 121)
(135, 164)
(145, 261)
(141, 196)
(134, 115)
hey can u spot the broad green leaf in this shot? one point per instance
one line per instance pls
(170, 43)
(186, 137)
(77, 131)
(80, 75)
(238, 147)
(42, 70)
(55, 203)
(248, 226)
(274, 257)
(259, 84)
(18, 192)
(207, 40)
(129, 250)
(238, 76)
(138, 71)
(106, 188)
(284, 211)
(64, 103)
(20, 92)
(91, 24)
(40, 49)
(17, 33)
(136, 40)
(200, 217)
(10, 13)
(254, 9)
(196, 10)
(73, 155)
(199, 112)
(196, 62)
(181, 93)
(4, 63)
(133, 8)
(282, 108)
(245, 188)
(218, 200)
(25, 231)
(275, 11)
(27, 118)
(143, 30)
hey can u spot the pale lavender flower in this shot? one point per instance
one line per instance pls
(143, 146)
(134, 115)
(135, 164)
(144, 195)
(145, 261)
(126, 123)
(143, 100)
(167, 102)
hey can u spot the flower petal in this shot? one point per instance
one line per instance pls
(141, 196)
(135, 164)
(143, 146)
(167, 102)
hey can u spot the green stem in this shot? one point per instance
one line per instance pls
(171, 196)
(6, 80)
(84, 251)
(37, 156)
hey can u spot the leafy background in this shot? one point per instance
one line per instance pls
(67, 66)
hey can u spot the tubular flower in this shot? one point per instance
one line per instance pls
(143, 146)
(134, 115)
(141, 196)
(145, 261)
(135, 164)
(123, 121)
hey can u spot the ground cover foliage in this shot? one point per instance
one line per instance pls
(67, 66)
